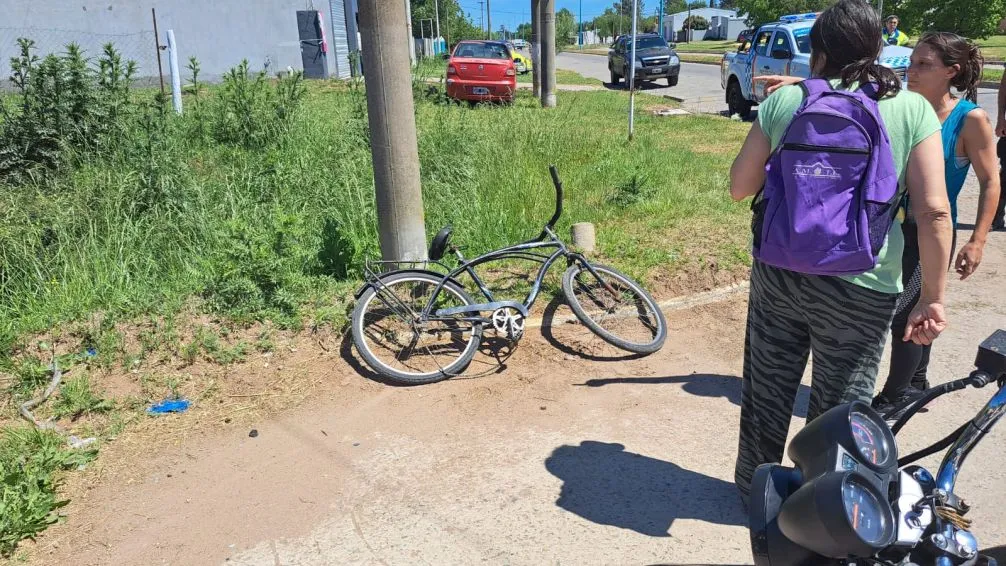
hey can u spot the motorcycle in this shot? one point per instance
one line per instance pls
(850, 500)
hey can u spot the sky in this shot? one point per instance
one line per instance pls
(512, 12)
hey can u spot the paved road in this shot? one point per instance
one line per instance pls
(699, 85)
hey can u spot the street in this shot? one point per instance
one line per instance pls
(699, 85)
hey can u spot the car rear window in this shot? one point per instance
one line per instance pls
(482, 51)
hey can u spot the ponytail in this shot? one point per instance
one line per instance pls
(868, 71)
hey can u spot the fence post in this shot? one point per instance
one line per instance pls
(176, 77)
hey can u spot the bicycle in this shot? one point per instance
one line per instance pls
(431, 327)
(851, 500)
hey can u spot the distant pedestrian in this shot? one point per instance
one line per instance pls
(892, 35)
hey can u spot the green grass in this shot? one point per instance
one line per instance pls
(296, 219)
(715, 47)
(992, 74)
(564, 77)
(77, 398)
(994, 48)
(31, 462)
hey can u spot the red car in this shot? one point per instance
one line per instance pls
(481, 71)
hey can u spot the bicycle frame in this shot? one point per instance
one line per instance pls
(526, 250)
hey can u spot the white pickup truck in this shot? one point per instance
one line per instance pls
(781, 48)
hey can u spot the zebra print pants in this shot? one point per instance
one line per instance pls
(791, 315)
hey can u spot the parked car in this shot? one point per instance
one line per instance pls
(745, 36)
(521, 62)
(481, 71)
(782, 48)
(655, 59)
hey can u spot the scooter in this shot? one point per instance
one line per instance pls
(851, 500)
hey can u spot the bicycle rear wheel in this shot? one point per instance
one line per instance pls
(615, 307)
(390, 335)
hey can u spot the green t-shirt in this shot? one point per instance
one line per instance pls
(909, 119)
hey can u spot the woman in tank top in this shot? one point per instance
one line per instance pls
(942, 60)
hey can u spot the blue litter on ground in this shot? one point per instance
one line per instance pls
(169, 406)
(91, 352)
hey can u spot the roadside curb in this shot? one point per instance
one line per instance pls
(675, 304)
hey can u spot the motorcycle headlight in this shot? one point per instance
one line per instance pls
(838, 515)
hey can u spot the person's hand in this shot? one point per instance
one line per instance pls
(1001, 128)
(925, 323)
(969, 258)
(775, 82)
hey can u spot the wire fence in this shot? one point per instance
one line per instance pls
(139, 46)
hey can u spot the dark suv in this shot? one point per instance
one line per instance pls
(654, 59)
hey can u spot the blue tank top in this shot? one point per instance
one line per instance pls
(955, 174)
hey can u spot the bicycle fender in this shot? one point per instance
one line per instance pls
(368, 284)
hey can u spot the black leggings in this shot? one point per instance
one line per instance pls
(909, 361)
(1001, 209)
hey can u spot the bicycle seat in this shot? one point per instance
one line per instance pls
(439, 244)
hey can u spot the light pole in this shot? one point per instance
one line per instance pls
(580, 35)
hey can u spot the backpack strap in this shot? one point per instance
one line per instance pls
(811, 87)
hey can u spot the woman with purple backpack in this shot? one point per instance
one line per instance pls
(942, 60)
(828, 163)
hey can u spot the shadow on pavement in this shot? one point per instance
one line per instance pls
(548, 332)
(609, 486)
(642, 87)
(703, 385)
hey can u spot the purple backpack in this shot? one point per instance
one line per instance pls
(831, 187)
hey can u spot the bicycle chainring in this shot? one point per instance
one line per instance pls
(508, 322)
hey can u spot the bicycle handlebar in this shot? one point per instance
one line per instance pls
(558, 196)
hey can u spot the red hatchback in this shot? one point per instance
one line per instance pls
(481, 71)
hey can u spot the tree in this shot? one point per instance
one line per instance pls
(454, 23)
(727, 4)
(675, 6)
(565, 29)
(763, 11)
(696, 23)
(976, 20)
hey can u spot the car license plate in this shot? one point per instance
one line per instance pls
(655, 71)
(480, 90)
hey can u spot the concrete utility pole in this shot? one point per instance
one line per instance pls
(489, 21)
(408, 26)
(392, 119)
(536, 47)
(547, 33)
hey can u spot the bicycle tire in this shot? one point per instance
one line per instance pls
(660, 333)
(412, 378)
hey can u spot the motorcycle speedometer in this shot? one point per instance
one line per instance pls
(847, 437)
(869, 438)
(865, 512)
(838, 515)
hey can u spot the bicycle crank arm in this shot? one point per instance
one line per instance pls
(467, 309)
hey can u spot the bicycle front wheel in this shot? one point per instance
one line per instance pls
(615, 307)
(397, 343)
